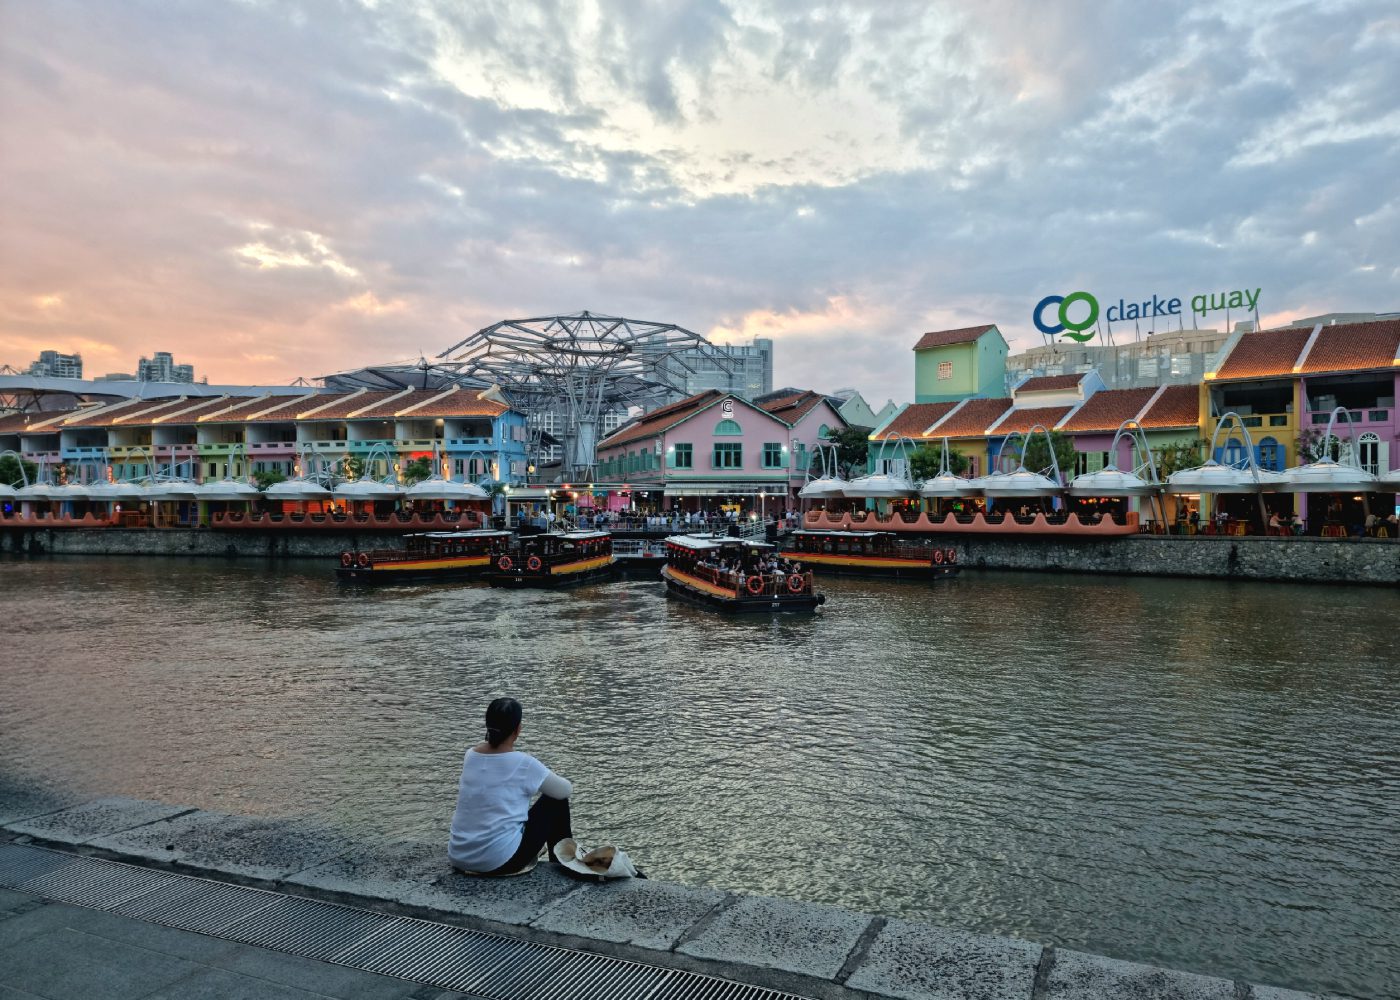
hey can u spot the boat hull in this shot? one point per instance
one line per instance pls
(553, 577)
(415, 571)
(687, 588)
(874, 566)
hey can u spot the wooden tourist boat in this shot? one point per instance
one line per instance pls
(872, 553)
(719, 572)
(554, 559)
(639, 556)
(428, 555)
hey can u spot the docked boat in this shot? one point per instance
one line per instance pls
(639, 556)
(872, 553)
(731, 575)
(554, 559)
(427, 555)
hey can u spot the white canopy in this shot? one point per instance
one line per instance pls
(1216, 478)
(35, 491)
(1021, 484)
(945, 484)
(297, 489)
(446, 489)
(367, 489)
(1390, 481)
(1110, 482)
(68, 491)
(879, 485)
(1328, 476)
(7, 491)
(172, 489)
(825, 488)
(227, 489)
(111, 492)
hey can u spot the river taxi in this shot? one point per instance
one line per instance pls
(554, 559)
(872, 553)
(727, 574)
(426, 555)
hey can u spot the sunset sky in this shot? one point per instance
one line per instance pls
(273, 190)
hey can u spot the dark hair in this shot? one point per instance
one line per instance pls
(502, 719)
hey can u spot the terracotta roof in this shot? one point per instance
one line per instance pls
(1050, 383)
(973, 419)
(946, 338)
(914, 420)
(145, 413)
(1354, 347)
(1024, 420)
(1178, 406)
(14, 423)
(462, 403)
(248, 407)
(329, 408)
(1268, 352)
(193, 409)
(653, 423)
(291, 410)
(794, 407)
(1107, 408)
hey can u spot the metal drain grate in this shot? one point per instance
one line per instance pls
(452, 958)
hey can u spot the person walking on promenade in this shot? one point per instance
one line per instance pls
(495, 829)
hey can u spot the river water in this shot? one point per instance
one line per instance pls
(1197, 774)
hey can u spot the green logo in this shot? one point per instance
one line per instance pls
(1072, 329)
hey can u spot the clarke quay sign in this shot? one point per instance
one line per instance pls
(1079, 328)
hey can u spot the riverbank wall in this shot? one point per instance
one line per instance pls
(1368, 562)
(807, 949)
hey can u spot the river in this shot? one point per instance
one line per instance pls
(1201, 775)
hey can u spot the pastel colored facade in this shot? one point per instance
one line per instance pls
(950, 365)
(475, 431)
(716, 444)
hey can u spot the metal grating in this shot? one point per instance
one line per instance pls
(422, 951)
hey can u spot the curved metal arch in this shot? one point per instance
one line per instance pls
(20, 459)
(1351, 436)
(1025, 440)
(1138, 436)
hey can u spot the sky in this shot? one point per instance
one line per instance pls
(274, 190)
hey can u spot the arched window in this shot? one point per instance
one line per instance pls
(823, 431)
(728, 427)
(1233, 453)
(1270, 455)
(1369, 446)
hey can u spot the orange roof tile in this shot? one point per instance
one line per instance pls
(242, 410)
(1266, 353)
(1107, 408)
(1178, 406)
(653, 423)
(329, 408)
(794, 407)
(914, 419)
(192, 410)
(1024, 420)
(1354, 347)
(15, 423)
(463, 403)
(973, 419)
(946, 338)
(135, 417)
(1049, 383)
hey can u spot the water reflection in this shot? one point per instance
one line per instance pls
(1202, 775)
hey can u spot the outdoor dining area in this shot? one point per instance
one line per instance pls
(1339, 498)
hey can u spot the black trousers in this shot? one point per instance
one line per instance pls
(547, 824)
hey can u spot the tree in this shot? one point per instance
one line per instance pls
(852, 450)
(266, 479)
(926, 460)
(1037, 454)
(10, 471)
(1177, 456)
(417, 470)
(1313, 444)
(353, 466)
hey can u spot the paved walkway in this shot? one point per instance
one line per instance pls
(57, 951)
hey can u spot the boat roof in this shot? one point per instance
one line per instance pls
(580, 535)
(825, 533)
(699, 542)
(474, 533)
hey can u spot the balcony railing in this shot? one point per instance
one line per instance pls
(1362, 416)
(264, 446)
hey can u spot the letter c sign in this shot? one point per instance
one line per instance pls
(1070, 328)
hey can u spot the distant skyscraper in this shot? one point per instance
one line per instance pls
(55, 365)
(162, 368)
(750, 374)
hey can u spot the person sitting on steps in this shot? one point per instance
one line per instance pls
(495, 829)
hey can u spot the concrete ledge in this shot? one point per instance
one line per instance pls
(803, 948)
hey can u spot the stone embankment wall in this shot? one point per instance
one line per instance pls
(1298, 560)
(812, 950)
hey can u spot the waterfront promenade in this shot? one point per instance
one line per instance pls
(285, 882)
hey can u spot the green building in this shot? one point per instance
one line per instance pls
(952, 365)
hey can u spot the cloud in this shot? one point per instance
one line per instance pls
(283, 190)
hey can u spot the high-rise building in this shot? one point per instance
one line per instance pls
(55, 365)
(747, 370)
(162, 368)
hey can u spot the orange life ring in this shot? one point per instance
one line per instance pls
(534, 563)
(363, 560)
(504, 564)
(952, 556)
(795, 583)
(755, 585)
(938, 556)
(346, 559)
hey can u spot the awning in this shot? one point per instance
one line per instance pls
(779, 488)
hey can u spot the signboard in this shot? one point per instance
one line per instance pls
(1075, 314)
